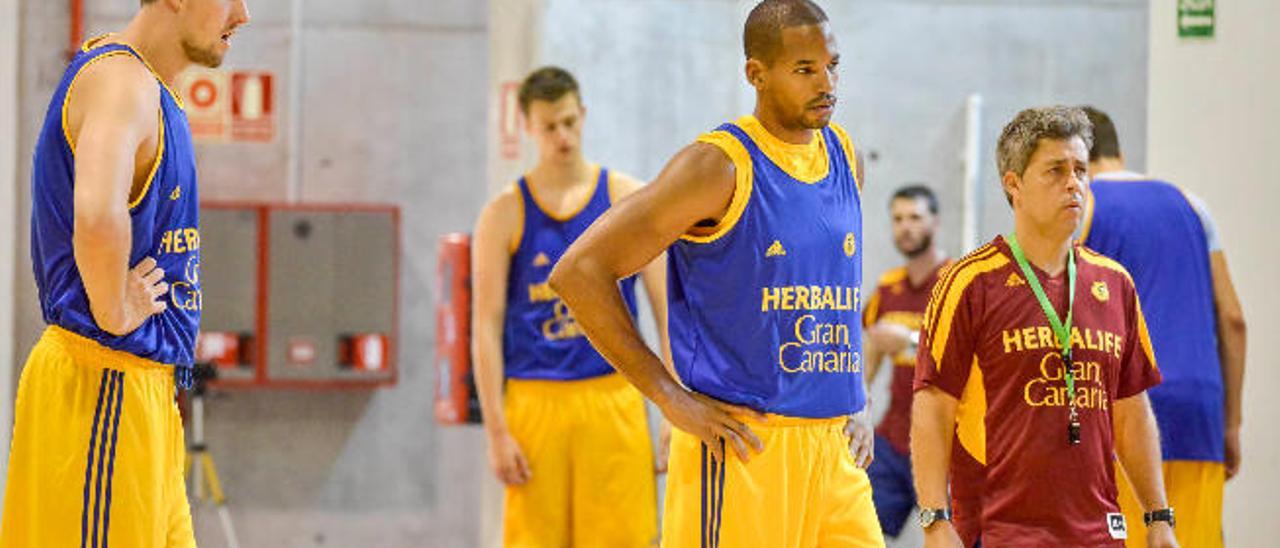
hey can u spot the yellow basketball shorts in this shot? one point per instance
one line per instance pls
(1194, 490)
(802, 491)
(97, 452)
(591, 458)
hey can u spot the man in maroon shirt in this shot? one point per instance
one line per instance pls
(1035, 356)
(892, 322)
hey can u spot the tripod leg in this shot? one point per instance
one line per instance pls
(227, 528)
(215, 486)
(197, 476)
(219, 499)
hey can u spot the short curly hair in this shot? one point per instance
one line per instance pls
(1021, 136)
(762, 33)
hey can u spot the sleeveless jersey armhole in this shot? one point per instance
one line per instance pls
(743, 177)
(160, 135)
(155, 165)
(850, 156)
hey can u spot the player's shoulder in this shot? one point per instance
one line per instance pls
(116, 76)
(1103, 264)
(1132, 185)
(841, 133)
(502, 218)
(710, 161)
(508, 203)
(986, 261)
(893, 276)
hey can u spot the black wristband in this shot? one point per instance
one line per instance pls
(1163, 514)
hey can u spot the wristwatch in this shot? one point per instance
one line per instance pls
(1163, 514)
(928, 516)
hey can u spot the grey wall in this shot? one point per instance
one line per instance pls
(393, 113)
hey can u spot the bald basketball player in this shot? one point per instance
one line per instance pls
(97, 454)
(763, 220)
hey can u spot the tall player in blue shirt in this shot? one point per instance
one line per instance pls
(763, 220)
(569, 436)
(1166, 239)
(97, 453)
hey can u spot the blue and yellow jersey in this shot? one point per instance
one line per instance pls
(164, 219)
(765, 306)
(1170, 267)
(540, 338)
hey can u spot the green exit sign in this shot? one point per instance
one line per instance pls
(1195, 18)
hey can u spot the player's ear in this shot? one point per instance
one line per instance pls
(755, 70)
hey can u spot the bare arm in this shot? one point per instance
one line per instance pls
(112, 115)
(872, 356)
(859, 428)
(1137, 443)
(1231, 349)
(654, 277)
(933, 424)
(491, 247)
(696, 185)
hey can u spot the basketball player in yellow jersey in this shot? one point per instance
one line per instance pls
(97, 452)
(569, 437)
(762, 219)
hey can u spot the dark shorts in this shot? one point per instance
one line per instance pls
(892, 489)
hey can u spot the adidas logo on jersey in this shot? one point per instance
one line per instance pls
(775, 250)
(1014, 280)
(541, 260)
(177, 193)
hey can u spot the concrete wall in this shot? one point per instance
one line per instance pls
(9, 53)
(1214, 127)
(393, 113)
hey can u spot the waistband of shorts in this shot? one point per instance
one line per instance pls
(785, 421)
(772, 420)
(611, 381)
(86, 347)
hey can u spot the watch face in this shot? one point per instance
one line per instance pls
(926, 518)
